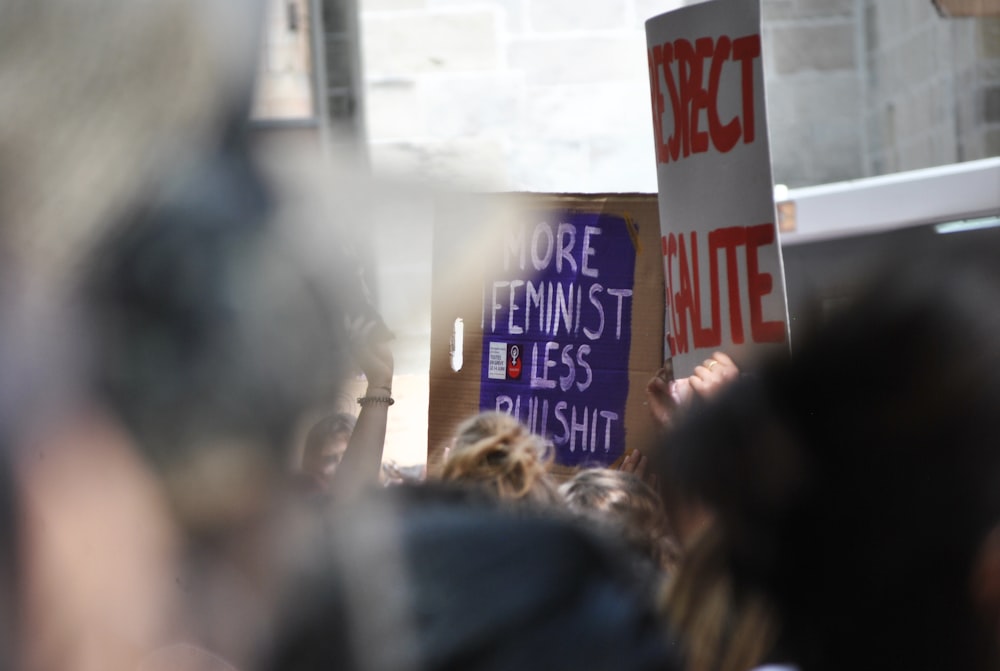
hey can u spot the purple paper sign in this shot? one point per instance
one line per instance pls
(557, 315)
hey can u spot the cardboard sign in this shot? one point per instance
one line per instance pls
(561, 315)
(724, 278)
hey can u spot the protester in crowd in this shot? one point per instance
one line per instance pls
(106, 104)
(191, 301)
(361, 464)
(205, 339)
(324, 448)
(721, 626)
(348, 445)
(435, 578)
(667, 397)
(668, 400)
(857, 485)
(637, 463)
(496, 451)
(342, 454)
(626, 507)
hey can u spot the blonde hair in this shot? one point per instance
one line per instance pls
(497, 452)
(627, 505)
(721, 628)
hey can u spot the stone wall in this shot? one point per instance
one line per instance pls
(547, 95)
(552, 95)
(815, 90)
(934, 87)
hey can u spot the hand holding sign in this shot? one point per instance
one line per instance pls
(713, 374)
(663, 398)
(667, 398)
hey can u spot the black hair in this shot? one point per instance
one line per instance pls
(435, 578)
(856, 482)
(204, 326)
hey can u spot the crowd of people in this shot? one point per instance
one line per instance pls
(838, 507)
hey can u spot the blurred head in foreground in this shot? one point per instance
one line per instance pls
(495, 451)
(125, 115)
(857, 485)
(209, 338)
(430, 577)
(625, 506)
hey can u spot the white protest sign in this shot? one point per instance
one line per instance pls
(725, 287)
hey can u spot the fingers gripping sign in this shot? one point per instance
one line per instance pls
(667, 398)
(713, 374)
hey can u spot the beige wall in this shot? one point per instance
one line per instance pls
(934, 87)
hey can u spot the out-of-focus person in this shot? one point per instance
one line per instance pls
(342, 454)
(324, 449)
(437, 576)
(360, 467)
(103, 103)
(191, 301)
(668, 400)
(178, 336)
(721, 627)
(857, 486)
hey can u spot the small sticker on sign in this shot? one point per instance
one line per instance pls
(498, 361)
(514, 362)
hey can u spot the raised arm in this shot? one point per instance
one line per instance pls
(362, 460)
